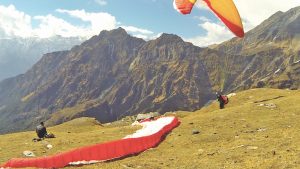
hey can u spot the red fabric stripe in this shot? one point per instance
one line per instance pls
(99, 152)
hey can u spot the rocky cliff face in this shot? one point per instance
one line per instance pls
(108, 77)
(165, 75)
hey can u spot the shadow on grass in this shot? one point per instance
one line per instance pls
(269, 99)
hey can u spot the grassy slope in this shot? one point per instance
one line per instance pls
(243, 135)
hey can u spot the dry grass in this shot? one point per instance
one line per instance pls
(243, 135)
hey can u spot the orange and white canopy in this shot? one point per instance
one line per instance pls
(224, 9)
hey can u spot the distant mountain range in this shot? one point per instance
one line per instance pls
(17, 55)
(114, 74)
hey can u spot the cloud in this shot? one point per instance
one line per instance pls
(255, 11)
(201, 5)
(142, 36)
(252, 12)
(215, 33)
(14, 22)
(139, 32)
(51, 26)
(203, 18)
(105, 21)
(136, 30)
(94, 23)
(101, 2)
(98, 21)
(17, 23)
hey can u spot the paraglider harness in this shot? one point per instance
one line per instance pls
(224, 99)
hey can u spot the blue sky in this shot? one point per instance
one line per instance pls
(142, 18)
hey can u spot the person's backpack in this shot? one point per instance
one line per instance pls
(225, 99)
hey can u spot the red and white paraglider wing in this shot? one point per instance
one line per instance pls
(152, 133)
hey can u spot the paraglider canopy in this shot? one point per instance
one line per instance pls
(224, 9)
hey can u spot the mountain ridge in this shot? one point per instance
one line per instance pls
(29, 51)
(114, 75)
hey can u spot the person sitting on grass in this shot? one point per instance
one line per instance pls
(42, 133)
